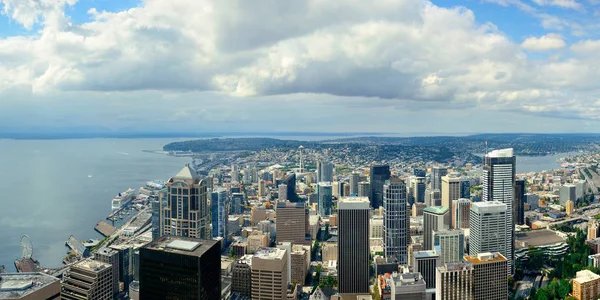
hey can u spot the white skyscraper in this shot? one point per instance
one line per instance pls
(449, 244)
(498, 182)
(488, 228)
(395, 240)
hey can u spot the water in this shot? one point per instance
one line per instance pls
(54, 188)
(539, 163)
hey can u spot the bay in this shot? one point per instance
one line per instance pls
(54, 188)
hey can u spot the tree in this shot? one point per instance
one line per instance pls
(564, 288)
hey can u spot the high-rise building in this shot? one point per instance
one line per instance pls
(29, 286)
(269, 274)
(262, 188)
(434, 218)
(395, 214)
(110, 256)
(282, 192)
(433, 197)
(454, 281)
(180, 268)
(88, 280)
(449, 244)
(219, 216)
(241, 276)
(533, 200)
(237, 200)
(378, 175)
(586, 285)
(353, 249)
(499, 167)
(489, 276)
(300, 260)
(156, 225)
(290, 183)
(488, 228)
(325, 172)
(354, 179)
(450, 190)
(418, 189)
(568, 192)
(292, 223)
(364, 189)
(519, 204)
(593, 229)
(436, 177)
(419, 172)
(461, 210)
(186, 212)
(569, 207)
(465, 188)
(425, 262)
(325, 193)
(235, 173)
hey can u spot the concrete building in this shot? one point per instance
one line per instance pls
(533, 200)
(29, 286)
(449, 244)
(395, 221)
(461, 210)
(241, 276)
(434, 218)
(450, 190)
(378, 176)
(417, 209)
(292, 223)
(300, 260)
(353, 250)
(407, 286)
(186, 212)
(325, 196)
(237, 200)
(568, 192)
(219, 214)
(354, 179)
(282, 192)
(569, 207)
(454, 281)
(593, 229)
(364, 189)
(376, 228)
(89, 280)
(498, 180)
(325, 171)
(489, 276)
(256, 241)
(262, 188)
(436, 177)
(488, 228)
(425, 262)
(433, 197)
(269, 274)
(193, 272)
(586, 285)
(329, 251)
(110, 256)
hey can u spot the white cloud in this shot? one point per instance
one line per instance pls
(216, 56)
(559, 3)
(544, 43)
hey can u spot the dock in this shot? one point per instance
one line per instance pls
(104, 228)
(77, 247)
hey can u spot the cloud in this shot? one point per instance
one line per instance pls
(544, 43)
(559, 3)
(217, 61)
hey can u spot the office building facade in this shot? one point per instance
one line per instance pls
(354, 180)
(449, 244)
(434, 218)
(450, 190)
(436, 177)
(219, 216)
(519, 203)
(378, 175)
(461, 211)
(454, 281)
(465, 188)
(325, 172)
(270, 274)
(489, 276)
(488, 228)
(395, 225)
(292, 223)
(353, 245)
(325, 196)
(88, 279)
(426, 262)
(241, 276)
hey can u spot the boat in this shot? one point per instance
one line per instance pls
(122, 199)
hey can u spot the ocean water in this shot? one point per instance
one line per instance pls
(54, 188)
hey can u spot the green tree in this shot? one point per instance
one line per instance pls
(564, 288)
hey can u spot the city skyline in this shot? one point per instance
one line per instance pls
(504, 65)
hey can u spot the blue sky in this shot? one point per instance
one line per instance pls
(530, 65)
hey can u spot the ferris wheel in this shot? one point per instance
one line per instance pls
(26, 247)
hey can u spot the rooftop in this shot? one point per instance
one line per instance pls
(270, 253)
(354, 203)
(19, 285)
(586, 276)
(484, 258)
(92, 265)
(536, 238)
(436, 209)
(425, 254)
(181, 245)
(186, 173)
(501, 153)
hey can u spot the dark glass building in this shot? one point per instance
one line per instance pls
(465, 188)
(180, 268)
(290, 182)
(378, 175)
(519, 210)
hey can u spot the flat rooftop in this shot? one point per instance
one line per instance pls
(425, 254)
(181, 245)
(270, 253)
(436, 209)
(92, 265)
(484, 258)
(19, 285)
(536, 238)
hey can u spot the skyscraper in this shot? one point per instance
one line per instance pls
(465, 188)
(292, 223)
(324, 192)
(499, 167)
(454, 281)
(461, 210)
(282, 192)
(180, 268)
(434, 218)
(325, 172)
(379, 174)
(488, 228)
(262, 189)
(354, 179)
(241, 276)
(219, 216)
(186, 212)
(395, 214)
(269, 274)
(450, 190)
(290, 182)
(353, 245)
(237, 199)
(519, 209)
(418, 189)
(426, 262)
(449, 244)
(568, 192)
(489, 276)
(87, 279)
(436, 177)
(364, 189)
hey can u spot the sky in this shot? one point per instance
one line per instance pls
(447, 66)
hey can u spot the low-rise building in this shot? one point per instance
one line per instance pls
(257, 240)
(29, 286)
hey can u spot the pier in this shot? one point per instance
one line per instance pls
(104, 228)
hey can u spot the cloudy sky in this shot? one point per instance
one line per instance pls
(306, 65)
